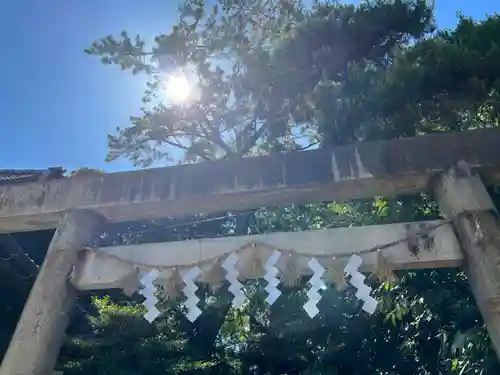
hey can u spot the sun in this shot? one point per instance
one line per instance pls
(177, 88)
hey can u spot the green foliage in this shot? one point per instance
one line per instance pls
(427, 323)
(275, 75)
(255, 65)
(320, 56)
(444, 83)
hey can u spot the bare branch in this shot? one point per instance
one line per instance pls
(253, 140)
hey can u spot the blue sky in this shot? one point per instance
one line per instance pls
(57, 104)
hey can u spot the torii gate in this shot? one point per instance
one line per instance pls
(449, 165)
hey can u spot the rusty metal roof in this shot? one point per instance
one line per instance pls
(17, 176)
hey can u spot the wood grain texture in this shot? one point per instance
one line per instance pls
(463, 197)
(40, 332)
(386, 168)
(107, 267)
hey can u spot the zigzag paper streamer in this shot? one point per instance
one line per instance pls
(149, 294)
(191, 303)
(270, 277)
(235, 286)
(316, 284)
(358, 281)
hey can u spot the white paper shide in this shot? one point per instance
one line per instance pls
(358, 281)
(316, 284)
(191, 302)
(271, 278)
(235, 287)
(148, 291)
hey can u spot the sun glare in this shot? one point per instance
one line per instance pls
(177, 88)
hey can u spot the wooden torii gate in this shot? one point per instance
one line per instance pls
(455, 167)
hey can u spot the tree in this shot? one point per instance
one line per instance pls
(333, 74)
(428, 323)
(444, 83)
(247, 59)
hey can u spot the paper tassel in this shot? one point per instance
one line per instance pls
(289, 270)
(250, 264)
(214, 276)
(253, 269)
(413, 239)
(335, 276)
(172, 285)
(384, 269)
(130, 283)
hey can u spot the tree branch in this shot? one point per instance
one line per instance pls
(182, 147)
(253, 140)
(216, 138)
(306, 147)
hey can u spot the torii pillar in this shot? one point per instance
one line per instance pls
(40, 332)
(464, 199)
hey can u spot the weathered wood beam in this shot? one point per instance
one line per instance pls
(386, 168)
(464, 199)
(107, 267)
(40, 331)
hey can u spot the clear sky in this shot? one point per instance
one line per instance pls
(57, 104)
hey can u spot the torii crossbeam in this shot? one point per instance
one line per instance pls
(385, 168)
(453, 166)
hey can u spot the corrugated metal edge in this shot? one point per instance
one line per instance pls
(13, 176)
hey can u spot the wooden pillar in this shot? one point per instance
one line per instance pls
(40, 332)
(463, 198)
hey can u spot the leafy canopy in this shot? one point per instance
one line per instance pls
(276, 75)
(258, 70)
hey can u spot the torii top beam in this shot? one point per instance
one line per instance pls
(401, 166)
